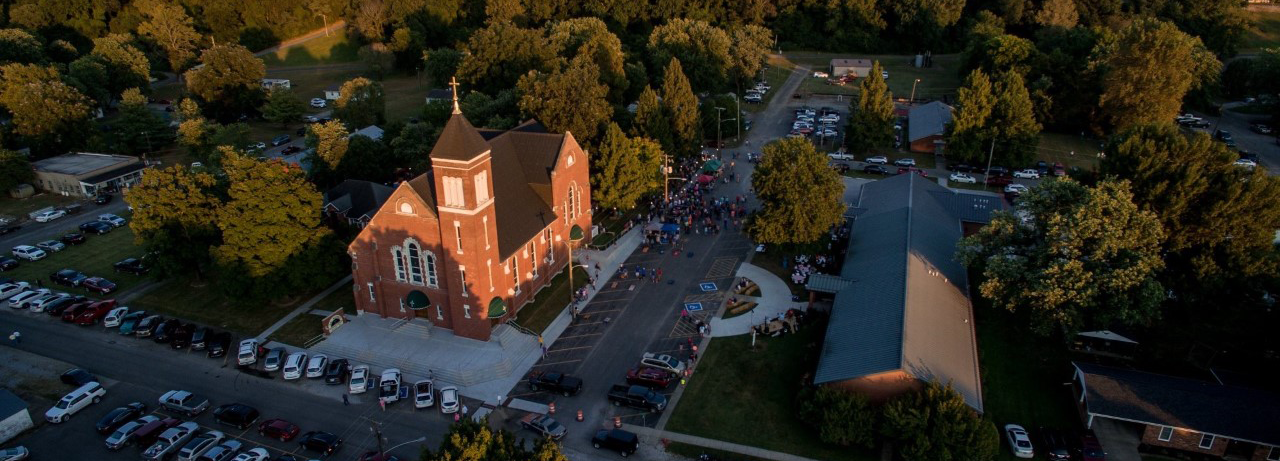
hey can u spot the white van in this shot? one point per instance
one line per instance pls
(113, 318)
(293, 365)
(248, 352)
(75, 401)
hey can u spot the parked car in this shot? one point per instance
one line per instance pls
(1016, 189)
(28, 253)
(94, 313)
(840, 156)
(236, 414)
(962, 178)
(102, 199)
(315, 366)
(318, 102)
(636, 396)
(336, 371)
(182, 336)
(959, 167)
(68, 277)
(51, 246)
(247, 354)
(223, 452)
(70, 313)
(389, 385)
(48, 301)
(74, 238)
(1089, 448)
(119, 416)
(75, 401)
(449, 400)
(359, 382)
(911, 169)
(424, 394)
(281, 140)
(875, 169)
(8, 228)
(113, 220)
(255, 454)
(96, 227)
(199, 445)
(294, 364)
(147, 435)
(1059, 169)
(319, 441)
(46, 216)
(878, 160)
(23, 300)
(130, 322)
(623, 442)
(11, 289)
(218, 344)
(999, 180)
(17, 453)
(555, 382)
(905, 162)
(115, 316)
(1260, 128)
(278, 429)
(200, 338)
(77, 377)
(131, 265)
(125, 433)
(1054, 444)
(164, 333)
(544, 425)
(1246, 163)
(1019, 441)
(273, 358)
(147, 326)
(662, 361)
(655, 378)
(184, 402)
(98, 285)
(170, 441)
(8, 264)
(1028, 173)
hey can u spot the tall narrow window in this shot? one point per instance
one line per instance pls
(457, 233)
(439, 313)
(415, 263)
(462, 275)
(466, 311)
(486, 232)
(515, 272)
(398, 255)
(489, 267)
(482, 187)
(533, 260)
(573, 204)
(1166, 433)
(371, 297)
(551, 252)
(453, 195)
(432, 280)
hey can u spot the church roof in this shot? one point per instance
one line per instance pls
(424, 186)
(522, 162)
(459, 141)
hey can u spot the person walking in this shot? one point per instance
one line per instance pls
(345, 401)
(16, 337)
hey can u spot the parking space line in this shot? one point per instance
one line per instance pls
(556, 363)
(566, 349)
(579, 336)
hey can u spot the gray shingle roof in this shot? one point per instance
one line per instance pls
(907, 306)
(355, 198)
(10, 404)
(927, 120)
(1201, 406)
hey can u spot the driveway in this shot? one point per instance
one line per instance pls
(1238, 124)
(1119, 439)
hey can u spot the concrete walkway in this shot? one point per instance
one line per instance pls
(774, 299)
(650, 436)
(302, 309)
(608, 259)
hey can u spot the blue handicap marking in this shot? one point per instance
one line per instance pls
(691, 307)
(708, 286)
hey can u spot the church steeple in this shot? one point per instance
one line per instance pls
(453, 82)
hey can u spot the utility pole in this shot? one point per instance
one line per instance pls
(987, 181)
(719, 140)
(913, 91)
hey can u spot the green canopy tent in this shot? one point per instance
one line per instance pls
(712, 166)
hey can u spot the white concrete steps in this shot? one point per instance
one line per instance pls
(416, 327)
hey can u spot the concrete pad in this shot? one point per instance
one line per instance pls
(774, 299)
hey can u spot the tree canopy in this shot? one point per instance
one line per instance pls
(801, 199)
(41, 103)
(680, 108)
(935, 424)
(1146, 70)
(571, 99)
(229, 80)
(871, 115)
(469, 440)
(283, 106)
(625, 168)
(361, 102)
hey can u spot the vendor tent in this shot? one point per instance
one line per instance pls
(706, 178)
(671, 228)
(712, 166)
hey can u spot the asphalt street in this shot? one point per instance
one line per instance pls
(1265, 145)
(141, 370)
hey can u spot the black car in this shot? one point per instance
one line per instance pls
(68, 277)
(998, 171)
(1054, 444)
(7, 263)
(148, 326)
(5, 229)
(320, 441)
(218, 344)
(102, 199)
(182, 336)
(236, 414)
(132, 265)
(1042, 167)
(58, 310)
(337, 371)
(875, 169)
(199, 338)
(960, 167)
(625, 443)
(280, 140)
(165, 332)
(77, 377)
(96, 227)
(74, 238)
(117, 417)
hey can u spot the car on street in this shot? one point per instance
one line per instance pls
(1019, 441)
(218, 344)
(315, 366)
(623, 442)
(94, 313)
(119, 416)
(359, 382)
(875, 169)
(184, 402)
(1029, 173)
(73, 402)
(654, 378)
(273, 359)
(113, 220)
(544, 425)
(114, 317)
(840, 156)
(258, 146)
(1016, 189)
(49, 300)
(200, 338)
(51, 246)
(278, 429)
(74, 238)
(449, 400)
(905, 162)
(320, 441)
(124, 434)
(46, 216)
(1059, 169)
(17, 453)
(318, 102)
(336, 371)
(554, 381)
(291, 150)
(8, 228)
(98, 285)
(23, 300)
(7, 264)
(1260, 128)
(28, 253)
(424, 394)
(95, 227)
(1246, 163)
(68, 277)
(238, 415)
(11, 289)
(281, 140)
(170, 441)
(294, 364)
(878, 160)
(131, 265)
(662, 361)
(962, 178)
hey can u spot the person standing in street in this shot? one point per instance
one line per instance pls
(16, 337)
(345, 401)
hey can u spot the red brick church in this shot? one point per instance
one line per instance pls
(468, 243)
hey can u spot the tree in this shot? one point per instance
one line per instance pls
(1072, 256)
(1002, 53)
(470, 440)
(271, 213)
(41, 104)
(367, 159)
(127, 66)
(139, 129)
(329, 140)
(361, 103)
(626, 169)
(90, 76)
(18, 46)
(923, 23)
(171, 27)
(969, 130)
(935, 424)
(441, 65)
(193, 128)
(841, 417)
(590, 38)
(1058, 13)
(704, 48)
(872, 115)
(854, 24)
(801, 198)
(569, 100)
(1014, 122)
(681, 109)
(412, 148)
(283, 107)
(174, 211)
(650, 121)
(15, 169)
(495, 57)
(1147, 69)
(378, 59)
(750, 47)
(230, 80)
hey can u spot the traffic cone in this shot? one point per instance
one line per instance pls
(551, 408)
(580, 419)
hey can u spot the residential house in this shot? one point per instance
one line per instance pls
(355, 201)
(438, 95)
(927, 126)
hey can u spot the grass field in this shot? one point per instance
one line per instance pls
(339, 299)
(550, 302)
(19, 207)
(1070, 150)
(941, 79)
(94, 257)
(743, 396)
(1264, 30)
(298, 331)
(334, 48)
(203, 302)
(693, 451)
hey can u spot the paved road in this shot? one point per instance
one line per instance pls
(141, 370)
(1238, 124)
(33, 232)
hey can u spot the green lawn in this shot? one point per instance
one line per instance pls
(94, 257)
(693, 451)
(335, 48)
(204, 303)
(1263, 31)
(1068, 149)
(298, 331)
(742, 396)
(19, 207)
(339, 299)
(941, 79)
(549, 302)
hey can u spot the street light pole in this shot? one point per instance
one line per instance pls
(913, 91)
(719, 141)
(987, 181)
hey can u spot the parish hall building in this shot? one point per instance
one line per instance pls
(469, 242)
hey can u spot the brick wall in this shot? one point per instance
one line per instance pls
(1184, 440)
(1261, 452)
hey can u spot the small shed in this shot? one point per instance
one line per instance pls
(15, 416)
(332, 92)
(854, 67)
(926, 126)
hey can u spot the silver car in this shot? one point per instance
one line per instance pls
(273, 359)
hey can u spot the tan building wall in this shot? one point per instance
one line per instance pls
(925, 144)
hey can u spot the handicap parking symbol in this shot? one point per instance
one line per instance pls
(692, 307)
(708, 287)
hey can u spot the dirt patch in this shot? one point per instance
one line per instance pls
(34, 379)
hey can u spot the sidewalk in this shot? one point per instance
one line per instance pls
(774, 299)
(304, 308)
(608, 259)
(650, 434)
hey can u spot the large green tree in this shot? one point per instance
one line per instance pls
(590, 39)
(170, 26)
(1146, 70)
(1072, 257)
(871, 122)
(935, 424)
(139, 130)
(330, 141)
(469, 440)
(651, 121)
(441, 64)
(625, 168)
(18, 46)
(496, 56)
(271, 214)
(127, 66)
(174, 216)
(800, 197)
(681, 109)
(702, 47)
(1013, 122)
(15, 169)
(841, 417)
(283, 106)
(969, 131)
(571, 99)
(361, 102)
(229, 80)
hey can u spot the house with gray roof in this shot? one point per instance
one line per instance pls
(14, 417)
(901, 314)
(355, 201)
(926, 125)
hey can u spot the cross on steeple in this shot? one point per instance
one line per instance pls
(453, 82)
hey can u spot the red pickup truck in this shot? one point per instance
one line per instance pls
(95, 312)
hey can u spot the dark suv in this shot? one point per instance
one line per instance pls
(336, 372)
(625, 443)
(68, 277)
(218, 344)
(236, 414)
(319, 441)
